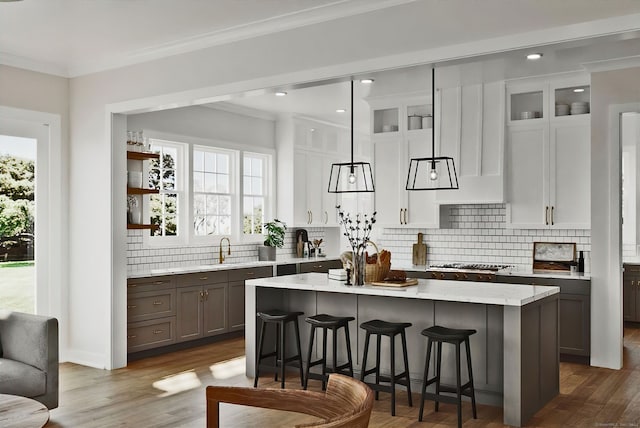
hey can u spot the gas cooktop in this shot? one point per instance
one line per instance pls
(470, 267)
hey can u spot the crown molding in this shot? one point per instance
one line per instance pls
(18, 61)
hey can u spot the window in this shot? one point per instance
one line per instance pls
(253, 185)
(212, 191)
(164, 175)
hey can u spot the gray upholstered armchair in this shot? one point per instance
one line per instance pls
(29, 357)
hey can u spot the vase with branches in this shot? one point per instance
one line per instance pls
(357, 230)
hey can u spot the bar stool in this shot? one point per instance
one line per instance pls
(280, 319)
(328, 322)
(440, 335)
(390, 329)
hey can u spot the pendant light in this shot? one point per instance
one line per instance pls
(434, 173)
(351, 177)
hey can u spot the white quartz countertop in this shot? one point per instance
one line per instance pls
(490, 293)
(173, 270)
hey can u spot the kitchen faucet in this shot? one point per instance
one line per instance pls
(221, 258)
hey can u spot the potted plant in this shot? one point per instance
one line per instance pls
(274, 239)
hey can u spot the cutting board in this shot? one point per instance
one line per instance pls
(408, 282)
(419, 252)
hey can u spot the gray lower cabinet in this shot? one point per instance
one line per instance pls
(320, 266)
(236, 305)
(202, 305)
(631, 293)
(178, 308)
(151, 313)
(575, 310)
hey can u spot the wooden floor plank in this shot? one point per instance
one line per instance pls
(168, 391)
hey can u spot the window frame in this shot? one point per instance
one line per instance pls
(267, 188)
(237, 236)
(233, 188)
(182, 165)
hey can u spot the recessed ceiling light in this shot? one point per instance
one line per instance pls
(341, 110)
(280, 94)
(366, 80)
(312, 129)
(578, 90)
(534, 56)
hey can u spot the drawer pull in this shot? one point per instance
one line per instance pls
(132, 285)
(132, 306)
(204, 278)
(158, 331)
(157, 303)
(131, 336)
(250, 274)
(159, 282)
(434, 275)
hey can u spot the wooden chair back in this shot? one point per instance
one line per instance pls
(346, 403)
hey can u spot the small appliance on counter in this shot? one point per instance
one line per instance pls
(554, 256)
(467, 271)
(302, 243)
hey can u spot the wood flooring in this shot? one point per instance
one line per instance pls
(168, 391)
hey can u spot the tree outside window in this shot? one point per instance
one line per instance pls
(162, 176)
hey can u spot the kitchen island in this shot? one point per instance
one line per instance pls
(515, 351)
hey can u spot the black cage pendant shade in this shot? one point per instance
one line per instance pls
(351, 177)
(434, 173)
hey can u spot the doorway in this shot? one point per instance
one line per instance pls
(17, 223)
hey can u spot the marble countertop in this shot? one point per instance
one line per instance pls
(173, 270)
(490, 293)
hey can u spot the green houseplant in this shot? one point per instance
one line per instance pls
(274, 231)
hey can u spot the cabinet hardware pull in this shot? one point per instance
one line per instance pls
(158, 331)
(135, 306)
(441, 276)
(311, 213)
(632, 283)
(250, 273)
(132, 285)
(400, 215)
(157, 303)
(159, 282)
(434, 275)
(405, 215)
(326, 217)
(131, 336)
(204, 278)
(206, 295)
(546, 215)
(552, 215)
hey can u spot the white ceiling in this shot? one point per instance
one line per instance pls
(76, 37)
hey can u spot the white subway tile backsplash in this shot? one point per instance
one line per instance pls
(478, 233)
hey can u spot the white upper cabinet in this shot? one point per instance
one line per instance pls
(306, 150)
(398, 135)
(548, 155)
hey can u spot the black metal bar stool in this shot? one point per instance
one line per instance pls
(440, 335)
(390, 329)
(280, 319)
(328, 322)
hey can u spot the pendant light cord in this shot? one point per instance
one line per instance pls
(351, 126)
(433, 117)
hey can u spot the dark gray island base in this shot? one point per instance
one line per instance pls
(515, 352)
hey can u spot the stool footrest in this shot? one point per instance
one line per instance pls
(452, 389)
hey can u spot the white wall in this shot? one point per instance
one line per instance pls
(609, 89)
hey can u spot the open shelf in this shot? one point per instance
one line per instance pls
(142, 226)
(142, 156)
(138, 191)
